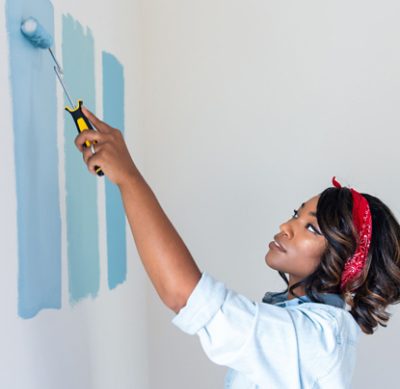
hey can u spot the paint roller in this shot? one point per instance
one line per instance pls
(40, 38)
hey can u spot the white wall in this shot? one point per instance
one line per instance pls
(250, 107)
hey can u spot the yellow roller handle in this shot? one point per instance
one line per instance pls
(82, 124)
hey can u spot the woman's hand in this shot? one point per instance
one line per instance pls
(111, 153)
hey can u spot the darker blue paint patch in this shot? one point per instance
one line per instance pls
(113, 113)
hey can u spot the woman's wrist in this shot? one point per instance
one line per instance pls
(131, 180)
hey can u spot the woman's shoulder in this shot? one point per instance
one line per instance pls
(330, 317)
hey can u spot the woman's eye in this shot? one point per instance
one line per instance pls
(313, 229)
(309, 227)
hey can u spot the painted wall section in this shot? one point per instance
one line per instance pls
(33, 87)
(81, 186)
(113, 112)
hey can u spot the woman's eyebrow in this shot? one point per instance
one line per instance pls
(310, 213)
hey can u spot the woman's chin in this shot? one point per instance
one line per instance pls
(270, 263)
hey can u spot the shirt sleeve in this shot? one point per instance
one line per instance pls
(259, 340)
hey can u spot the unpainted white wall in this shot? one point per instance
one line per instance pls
(250, 108)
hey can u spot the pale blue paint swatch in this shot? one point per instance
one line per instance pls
(33, 88)
(81, 186)
(113, 113)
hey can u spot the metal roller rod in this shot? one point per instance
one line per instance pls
(62, 84)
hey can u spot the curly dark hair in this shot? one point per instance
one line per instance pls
(379, 284)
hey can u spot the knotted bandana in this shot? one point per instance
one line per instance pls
(363, 223)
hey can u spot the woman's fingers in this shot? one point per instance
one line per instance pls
(87, 136)
(99, 125)
(93, 163)
(92, 160)
(87, 152)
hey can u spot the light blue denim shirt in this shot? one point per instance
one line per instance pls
(276, 344)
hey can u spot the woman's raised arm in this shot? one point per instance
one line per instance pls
(165, 256)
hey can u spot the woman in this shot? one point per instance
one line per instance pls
(340, 250)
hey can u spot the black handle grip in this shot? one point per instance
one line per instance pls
(82, 124)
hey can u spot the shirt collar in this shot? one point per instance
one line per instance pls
(281, 299)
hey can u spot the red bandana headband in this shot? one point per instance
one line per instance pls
(363, 223)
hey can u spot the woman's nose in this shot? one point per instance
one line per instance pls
(286, 229)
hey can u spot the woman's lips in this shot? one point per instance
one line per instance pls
(274, 246)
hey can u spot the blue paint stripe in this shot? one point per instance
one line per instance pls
(113, 113)
(33, 87)
(81, 186)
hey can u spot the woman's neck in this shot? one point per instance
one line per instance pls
(299, 292)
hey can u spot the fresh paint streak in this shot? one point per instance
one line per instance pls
(33, 87)
(81, 186)
(113, 109)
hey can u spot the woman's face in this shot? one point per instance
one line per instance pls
(302, 244)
